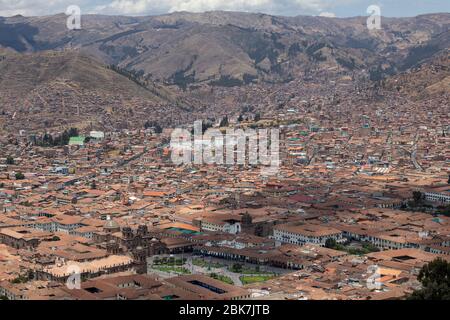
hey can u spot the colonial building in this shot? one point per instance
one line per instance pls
(300, 233)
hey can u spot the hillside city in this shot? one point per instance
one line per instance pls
(94, 207)
(358, 186)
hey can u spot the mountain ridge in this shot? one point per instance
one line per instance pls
(233, 47)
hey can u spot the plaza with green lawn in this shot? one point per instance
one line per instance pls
(221, 278)
(171, 269)
(253, 279)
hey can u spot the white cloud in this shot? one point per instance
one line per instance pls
(127, 7)
(327, 14)
(288, 7)
(36, 7)
(154, 7)
(209, 5)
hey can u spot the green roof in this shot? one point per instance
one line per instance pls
(184, 231)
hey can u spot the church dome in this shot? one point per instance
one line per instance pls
(111, 224)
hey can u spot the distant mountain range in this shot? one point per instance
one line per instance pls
(119, 72)
(229, 48)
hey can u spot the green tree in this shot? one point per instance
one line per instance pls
(435, 280)
(224, 122)
(73, 132)
(418, 196)
(158, 129)
(47, 140)
(65, 138)
(155, 125)
(9, 160)
(21, 279)
(20, 176)
(330, 243)
(370, 247)
(237, 267)
(444, 210)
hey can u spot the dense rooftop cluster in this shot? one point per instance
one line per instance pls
(363, 183)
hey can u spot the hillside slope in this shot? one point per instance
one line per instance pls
(226, 48)
(68, 88)
(429, 78)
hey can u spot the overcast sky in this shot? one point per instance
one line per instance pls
(340, 8)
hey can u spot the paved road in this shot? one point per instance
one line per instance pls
(413, 156)
(414, 160)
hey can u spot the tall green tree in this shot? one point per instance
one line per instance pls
(20, 176)
(435, 280)
(153, 124)
(224, 122)
(236, 267)
(330, 243)
(9, 160)
(418, 196)
(73, 132)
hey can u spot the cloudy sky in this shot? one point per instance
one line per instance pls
(340, 8)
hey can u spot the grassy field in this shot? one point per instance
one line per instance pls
(252, 271)
(221, 278)
(365, 248)
(252, 279)
(179, 270)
